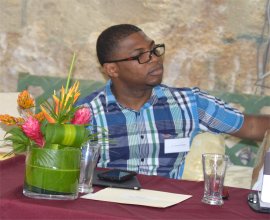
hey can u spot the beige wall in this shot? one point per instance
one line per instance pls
(209, 43)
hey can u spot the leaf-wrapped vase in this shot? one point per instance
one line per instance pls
(53, 172)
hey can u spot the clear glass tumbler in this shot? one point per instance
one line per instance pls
(214, 168)
(90, 155)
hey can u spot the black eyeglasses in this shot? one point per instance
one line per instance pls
(144, 57)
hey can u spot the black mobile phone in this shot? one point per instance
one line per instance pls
(116, 175)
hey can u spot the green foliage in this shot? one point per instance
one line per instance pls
(66, 134)
(19, 141)
(53, 171)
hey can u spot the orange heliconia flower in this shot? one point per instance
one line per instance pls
(25, 101)
(73, 91)
(20, 121)
(39, 116)
(62, 105)
(65, 97)
(10, 120)
(48, 117)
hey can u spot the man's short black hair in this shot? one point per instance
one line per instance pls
(108, 40)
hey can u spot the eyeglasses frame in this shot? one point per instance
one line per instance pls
(137, 57)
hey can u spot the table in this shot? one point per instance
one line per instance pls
(14, 205)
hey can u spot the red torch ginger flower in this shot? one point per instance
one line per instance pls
(81, 116)
(31, 128)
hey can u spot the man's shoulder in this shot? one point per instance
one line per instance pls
(88, 99)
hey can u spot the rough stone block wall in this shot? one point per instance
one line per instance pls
(210, 44)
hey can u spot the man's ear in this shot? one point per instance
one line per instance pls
(110, 69)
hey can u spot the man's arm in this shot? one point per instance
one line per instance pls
(254, 127)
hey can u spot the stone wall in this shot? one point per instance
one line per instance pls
(210, 44)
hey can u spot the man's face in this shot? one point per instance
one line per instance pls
(132, 74)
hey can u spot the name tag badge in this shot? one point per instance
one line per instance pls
(176, 145)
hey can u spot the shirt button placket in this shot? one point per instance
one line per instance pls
(141, 135)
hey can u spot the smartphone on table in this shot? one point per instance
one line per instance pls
(116, 175)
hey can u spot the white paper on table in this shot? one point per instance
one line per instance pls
(142, 197)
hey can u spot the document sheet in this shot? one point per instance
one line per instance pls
(142, 197)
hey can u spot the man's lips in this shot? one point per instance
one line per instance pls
(156, 71)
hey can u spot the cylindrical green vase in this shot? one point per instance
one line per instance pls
(52, 174)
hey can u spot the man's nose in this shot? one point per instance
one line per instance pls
(154, 57)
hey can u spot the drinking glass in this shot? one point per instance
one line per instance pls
(89, 158)
(214, 168)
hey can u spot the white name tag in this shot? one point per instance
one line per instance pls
(176, 145)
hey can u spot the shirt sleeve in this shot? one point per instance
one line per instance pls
(216, 115)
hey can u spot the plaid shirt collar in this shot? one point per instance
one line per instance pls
(157, 94)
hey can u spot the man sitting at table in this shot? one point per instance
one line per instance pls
(150, 125)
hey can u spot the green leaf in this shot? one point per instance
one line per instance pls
(53, 170)
(19, 140)
(70, 71)
(65, 134)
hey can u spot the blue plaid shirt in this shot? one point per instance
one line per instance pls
(136, 138)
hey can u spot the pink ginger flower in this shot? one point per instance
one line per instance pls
(31, 128)
(81, 116)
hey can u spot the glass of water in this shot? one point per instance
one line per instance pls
(89, 158)
(214, 168)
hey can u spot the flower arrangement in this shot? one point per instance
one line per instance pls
(53, 127)
(52, 140)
